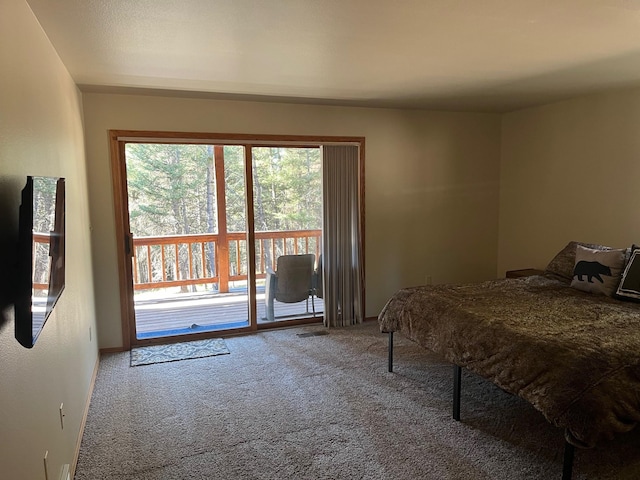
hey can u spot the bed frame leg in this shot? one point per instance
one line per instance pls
(567, 466)
(569, 449)
(390, 351)
(457, 382)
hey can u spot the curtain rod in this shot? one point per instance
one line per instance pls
(219, 141)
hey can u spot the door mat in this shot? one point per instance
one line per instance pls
(178, 351)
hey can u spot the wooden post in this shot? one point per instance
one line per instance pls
(222, 260)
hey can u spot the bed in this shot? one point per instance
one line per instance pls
(573, 354)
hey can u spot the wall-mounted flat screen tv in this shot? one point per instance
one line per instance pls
(41, 255)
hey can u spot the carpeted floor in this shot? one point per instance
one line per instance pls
(285, 406)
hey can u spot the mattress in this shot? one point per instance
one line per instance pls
(573, 355)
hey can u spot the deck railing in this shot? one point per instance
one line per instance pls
(189, 260)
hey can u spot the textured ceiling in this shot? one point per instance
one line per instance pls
(484, 55)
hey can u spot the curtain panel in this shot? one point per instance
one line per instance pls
(341, 242)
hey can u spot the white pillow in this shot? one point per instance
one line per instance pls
(630, 283)
(598, 271)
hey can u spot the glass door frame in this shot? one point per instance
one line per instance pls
(124, 244)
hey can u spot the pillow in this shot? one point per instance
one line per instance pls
(629, 287)
(598, 271)
(565, 260)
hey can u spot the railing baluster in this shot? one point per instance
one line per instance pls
(202, 264)
(273, 253)
(150, 277)
(164, 264)
(238, 269)
(215, 272)
(177, 271)
(136, 278)
(190, 257)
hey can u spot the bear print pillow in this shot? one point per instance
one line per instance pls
(597, 271)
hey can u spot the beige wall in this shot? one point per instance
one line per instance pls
(431, 184)
(41, 134)
(569, 171)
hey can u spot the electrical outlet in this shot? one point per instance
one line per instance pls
(428, 280)
(62, 416)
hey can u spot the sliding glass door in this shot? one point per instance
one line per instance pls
(193, 210)
(188, 238)
(287, 195)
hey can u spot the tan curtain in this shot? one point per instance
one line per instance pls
(341, 242)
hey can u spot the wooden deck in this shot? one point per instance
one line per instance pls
(214, 311)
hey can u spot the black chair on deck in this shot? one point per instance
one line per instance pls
(292, 282)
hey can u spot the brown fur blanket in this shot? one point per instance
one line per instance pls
(574, 356)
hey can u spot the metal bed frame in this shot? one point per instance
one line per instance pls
(569, 449)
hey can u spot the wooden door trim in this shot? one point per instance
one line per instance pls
(119, 175)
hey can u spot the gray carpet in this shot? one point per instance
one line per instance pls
(282, 406)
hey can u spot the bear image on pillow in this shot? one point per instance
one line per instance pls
(598, 271)
(591, 270)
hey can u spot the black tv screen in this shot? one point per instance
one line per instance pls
(41, 255)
